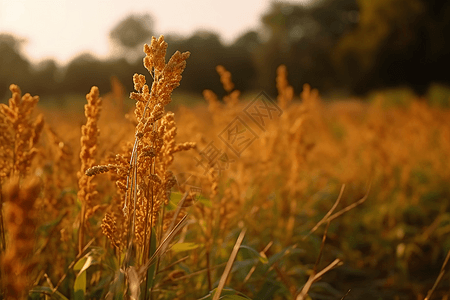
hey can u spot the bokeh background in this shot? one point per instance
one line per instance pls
(365, 96)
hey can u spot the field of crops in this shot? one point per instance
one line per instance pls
(245, 197)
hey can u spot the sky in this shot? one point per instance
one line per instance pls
(62, 29)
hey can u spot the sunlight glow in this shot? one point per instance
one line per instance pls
(61, 29)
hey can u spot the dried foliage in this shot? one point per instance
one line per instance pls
(138, 216)
(20, 133)
(285, 91)
(20, 220)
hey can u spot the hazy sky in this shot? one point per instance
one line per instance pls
(61, 29)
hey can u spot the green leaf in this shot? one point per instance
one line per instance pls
(176, 197)
(268, 290)
(180, 247)
(244, 265)
(171, 206)
(101, 288)
(80, 282)
(80, 286)
(117, 286)
(88, 260)
(80, 263)
(206, 202)
(86, 265)
(45, 290)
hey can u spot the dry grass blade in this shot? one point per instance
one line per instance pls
(350, 207)
(314, 277)
(325, 218)
(177, 212)
(336, 263)
(324, 238)
(162, 246)
(134, 282)
(230, 262)
(252, 270)
(328, 217)
(72, 264)
(346, 294)
(439, 278)
(198, 272)
(49, 281)
(172, 264)
(169, 237)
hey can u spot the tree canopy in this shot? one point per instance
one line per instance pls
(350, 45)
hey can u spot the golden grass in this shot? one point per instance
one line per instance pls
(87, 188)
(20, 133)
(125, 233)
(20, 219)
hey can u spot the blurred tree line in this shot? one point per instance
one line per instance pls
(348, 45)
